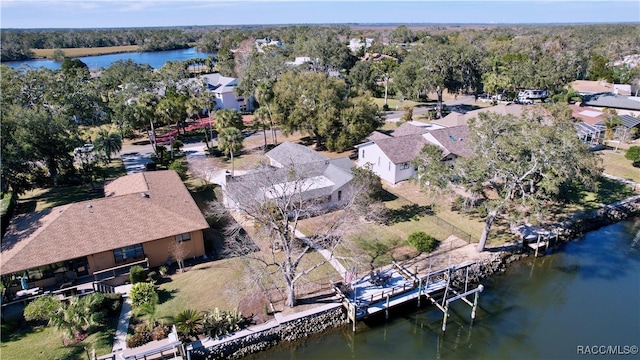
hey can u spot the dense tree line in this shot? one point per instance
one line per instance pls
(41, 110)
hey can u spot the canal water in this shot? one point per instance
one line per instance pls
(582, 299)
(155, 59)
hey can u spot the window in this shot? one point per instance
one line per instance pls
(404, 166)
(128, 253)
(378, 160)
(183, 237)
(363, 153)
(339, 195)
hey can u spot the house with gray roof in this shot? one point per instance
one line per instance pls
(612, 101)
(294, 171)
(390, 157)
(289, 153)
(223, 92)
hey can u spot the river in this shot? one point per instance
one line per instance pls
(566, 305)
(155, 59)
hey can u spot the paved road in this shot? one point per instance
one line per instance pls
(393, 116)
(136, 156)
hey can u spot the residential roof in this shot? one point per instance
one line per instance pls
(457, 119)
(593, 87)
(402, 149)
(587, 114)
(613, 101)
(627, 121)
(311, 180)
(138, 208)
(454, 140)
(408, 129)
(289, 153)
(216, 82)
(377, 135)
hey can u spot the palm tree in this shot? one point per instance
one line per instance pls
(188, 322)
(108, 143)
(230, 142)
(264, 96)
(260, 118)
(611, 122)
(228, 118)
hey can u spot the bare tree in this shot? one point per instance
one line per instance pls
(273, 201)
(178, 252)
(203, 168)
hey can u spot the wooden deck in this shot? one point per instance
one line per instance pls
(369, 296)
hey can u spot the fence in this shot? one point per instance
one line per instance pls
(443, 224)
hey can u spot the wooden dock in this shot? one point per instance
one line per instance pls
(380, 291)
(542, 244)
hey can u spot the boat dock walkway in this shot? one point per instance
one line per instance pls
(383, 289)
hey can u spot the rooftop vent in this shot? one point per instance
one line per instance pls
(89, 206)
(145, 195)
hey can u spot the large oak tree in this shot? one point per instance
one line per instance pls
(519, 166)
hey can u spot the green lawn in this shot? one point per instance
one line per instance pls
(40, 199)
(44, 343)
(615, 164)
(4, 203)
(220, 283)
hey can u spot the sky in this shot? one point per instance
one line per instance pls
(145, 13)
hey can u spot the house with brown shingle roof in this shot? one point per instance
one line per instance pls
(391, 157)
(141, 216)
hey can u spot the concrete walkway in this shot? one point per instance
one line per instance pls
(120, 340)
(325, 253)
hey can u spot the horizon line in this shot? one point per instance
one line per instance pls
(342, 23)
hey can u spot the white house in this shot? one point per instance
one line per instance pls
(356, 44)
(223, 90)
(265, 42)
(390, 157)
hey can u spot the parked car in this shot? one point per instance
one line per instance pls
(86, 148)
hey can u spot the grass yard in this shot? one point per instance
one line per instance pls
(615, 164)
(45, 343)
(77, 52)
(40, 199)
(221, 283)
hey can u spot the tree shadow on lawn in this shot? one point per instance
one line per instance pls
(166, 295)
(408, 213)
(16, 330)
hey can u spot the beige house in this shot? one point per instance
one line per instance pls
(141, 217)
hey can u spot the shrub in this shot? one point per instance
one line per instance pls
(137, 274)
(188, 322)
(143, 294)
(177, 144)
(422, 242)
(218, 322)
(385, 107)
(163, 270)
(180, 168)
(140, 337)
(633, 154)
(113, 303)
(41, 309)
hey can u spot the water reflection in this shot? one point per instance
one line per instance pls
(586, 293)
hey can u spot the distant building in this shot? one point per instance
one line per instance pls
(356, 44)
(261, 44)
